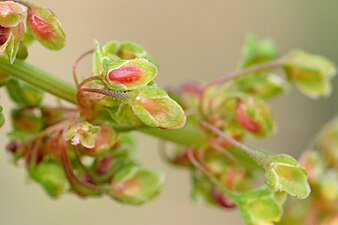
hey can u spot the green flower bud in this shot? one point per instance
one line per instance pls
(27, 120)
(234, 179)
(313, 164)
(23, 93)
(111, 48)
(327, 143)
(125, 75)
(51, 176)
(329, 185)
(131, 50)
(46, 28)
(256, 51)
(284, 173)
(254, 115)
(136, 185)
(12, 13)
(311, 74)
(259, 207)
(263, 85)
(155, 108)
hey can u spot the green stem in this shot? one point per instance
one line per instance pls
(191, 134)
(40, 79)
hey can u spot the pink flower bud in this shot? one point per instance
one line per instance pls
(222, 200)
(46, 28)
(126, 75)
(244, 119)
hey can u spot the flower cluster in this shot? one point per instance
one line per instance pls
(88, 149)
(41, 23)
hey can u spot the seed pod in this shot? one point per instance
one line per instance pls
(51, 176)
(155, 108)
(125, 75)
(311, 74)
(46, 28)
(136, 185)
(260, 206)
(284, 173)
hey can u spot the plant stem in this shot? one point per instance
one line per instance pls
(258, 156)
(259, 67)
(40, 79)
(191, 134)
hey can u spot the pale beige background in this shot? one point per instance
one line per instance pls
(192, 40)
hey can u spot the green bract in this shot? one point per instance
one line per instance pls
(311, 74)
(155, 108)
(46, 28)
(125, 75)
(136, 185)
(284, 173)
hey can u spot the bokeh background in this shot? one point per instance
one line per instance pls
(193, 40)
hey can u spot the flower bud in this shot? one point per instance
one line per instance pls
(27, 120)
(131, 50)
(257, 51)
(12, 16)
(46, 28)
(311, 74)
(124, 75)
(136, 185)
(255, 116)
(234, 179)
(221, 200)
(328, 186)
(284, 173)
(51, 176)
(263, 85)
(327, 143)
(23, 93)
(12, 13)
(155, 108)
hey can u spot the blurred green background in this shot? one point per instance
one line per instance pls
(193, 40)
